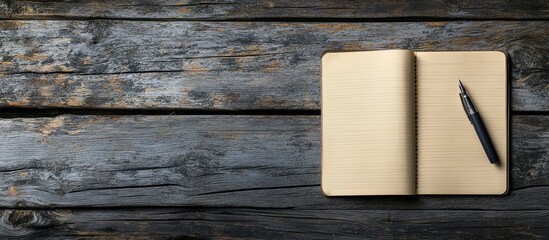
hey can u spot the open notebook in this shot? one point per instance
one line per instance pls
(393, 123)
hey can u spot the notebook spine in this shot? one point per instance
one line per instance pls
(415, 115)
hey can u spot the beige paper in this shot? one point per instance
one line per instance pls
(368, 137)
(451, 159)
(369, 129)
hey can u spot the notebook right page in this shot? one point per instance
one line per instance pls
(450, 157)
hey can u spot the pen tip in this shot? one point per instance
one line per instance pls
(461, 88)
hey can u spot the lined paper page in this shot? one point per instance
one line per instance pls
(451, 159)
(368, 129)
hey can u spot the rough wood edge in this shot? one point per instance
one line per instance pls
(279, 10)
(162, 223)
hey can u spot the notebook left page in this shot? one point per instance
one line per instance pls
(368, 125)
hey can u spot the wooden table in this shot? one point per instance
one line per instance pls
(166, 119)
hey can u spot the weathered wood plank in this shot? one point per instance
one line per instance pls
(253, 10)
(215, 161)
(274, 224)
(530, 140)
(231, 65)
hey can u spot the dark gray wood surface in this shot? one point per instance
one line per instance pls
(184, 223)
(232, 65)
(200, 119)
(268, 10)
(214, 161)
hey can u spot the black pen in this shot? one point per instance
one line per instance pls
(474, 117)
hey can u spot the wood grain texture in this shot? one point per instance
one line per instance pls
(231, 65)
(222, 176)
(215, 161)
(228, 223)
(285, 9)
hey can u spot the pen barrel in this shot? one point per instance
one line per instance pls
(484, 138)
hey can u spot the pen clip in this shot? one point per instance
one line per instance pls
(464, 108)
